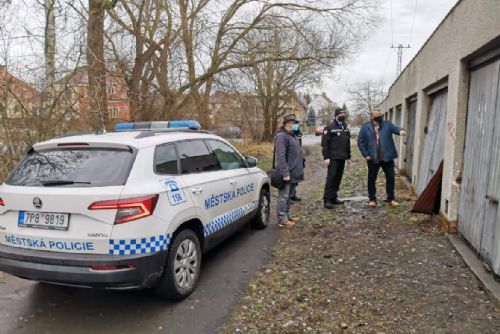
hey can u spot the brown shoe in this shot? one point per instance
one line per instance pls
(372, 204)
(394, 204)
(287, 223)
(295, 219)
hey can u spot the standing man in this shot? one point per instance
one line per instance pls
(298, 134)
(377, 146)
(336, 143)
(289, 163)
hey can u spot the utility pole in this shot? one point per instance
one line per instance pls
(400, 48)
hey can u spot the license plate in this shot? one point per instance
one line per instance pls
(53, 221)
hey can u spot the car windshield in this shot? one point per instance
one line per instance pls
(73, 167)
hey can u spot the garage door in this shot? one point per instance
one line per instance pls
(410, 139)
(397, 139)
(479, 215)
(433, 150)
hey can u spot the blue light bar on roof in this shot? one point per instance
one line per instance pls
(191, 124)
(124, 127)
(158, 125)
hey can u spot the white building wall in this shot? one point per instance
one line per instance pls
(468, 29)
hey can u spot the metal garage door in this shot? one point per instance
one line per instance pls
(479, 215)
(433, 150)
(410, 139)
(397, 121)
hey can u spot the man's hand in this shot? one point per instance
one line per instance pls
(368, 158)
(286, 178)
(403, 133)
(326, 162)
(349, 163)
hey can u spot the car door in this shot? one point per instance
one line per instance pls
(209, 186)
(244, 182)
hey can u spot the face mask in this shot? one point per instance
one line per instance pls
(378, 119)
(295, 127)
(341, 118)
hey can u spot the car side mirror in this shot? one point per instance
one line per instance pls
(251, 161)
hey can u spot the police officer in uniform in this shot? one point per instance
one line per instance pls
(336, 143)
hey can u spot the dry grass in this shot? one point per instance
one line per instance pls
(262, 151)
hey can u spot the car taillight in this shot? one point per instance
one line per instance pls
(2, 202)
(128, 208)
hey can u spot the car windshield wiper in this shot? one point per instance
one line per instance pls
(48, 183)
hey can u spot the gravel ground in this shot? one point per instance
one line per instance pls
(361, 270)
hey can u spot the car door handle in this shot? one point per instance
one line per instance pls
(197, 190)
(233, 182)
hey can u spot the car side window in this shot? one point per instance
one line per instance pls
(228, 158)
(196, 157)
(165, 160)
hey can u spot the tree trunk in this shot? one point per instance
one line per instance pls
(97, 110)
(50, 46)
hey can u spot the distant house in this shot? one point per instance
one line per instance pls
(293, 104)
(319, 104)
(245, 111)
(76, 87)
(18, 99)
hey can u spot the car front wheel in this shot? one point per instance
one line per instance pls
(183, 266)
(261, 221)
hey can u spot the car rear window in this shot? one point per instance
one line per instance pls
(166, 159)
(73, 167)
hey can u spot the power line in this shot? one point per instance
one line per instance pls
(392, 27)
(413, 21)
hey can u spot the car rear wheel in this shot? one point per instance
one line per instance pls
(182, 269)
(261, 221)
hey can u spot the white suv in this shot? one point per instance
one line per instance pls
(128, 209)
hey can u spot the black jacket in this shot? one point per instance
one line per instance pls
(288, 158)
(336, 142)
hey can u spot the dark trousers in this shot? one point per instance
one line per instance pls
(333, 180)
(388, 168)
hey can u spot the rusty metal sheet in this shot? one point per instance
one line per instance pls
(426, 203)
(433, 149)
(410, 139)
(479, 216)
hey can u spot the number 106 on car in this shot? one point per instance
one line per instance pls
(56, 221)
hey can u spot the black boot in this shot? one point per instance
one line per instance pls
(328, 205)
(338, 202)
(296, 198)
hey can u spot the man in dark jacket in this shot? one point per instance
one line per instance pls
(298, 134)
(336, 143)
(289, 163)
(377, 146)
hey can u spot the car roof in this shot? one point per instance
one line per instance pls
(134, 139)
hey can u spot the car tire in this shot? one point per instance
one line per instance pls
(261, 221)
(182, 269)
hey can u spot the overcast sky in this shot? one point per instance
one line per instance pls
(376, 60)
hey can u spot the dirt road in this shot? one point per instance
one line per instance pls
(361, 270)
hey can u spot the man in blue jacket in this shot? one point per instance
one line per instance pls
(377, 146)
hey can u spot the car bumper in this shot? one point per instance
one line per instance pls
(85, 270)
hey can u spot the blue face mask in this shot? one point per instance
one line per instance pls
(295, 127)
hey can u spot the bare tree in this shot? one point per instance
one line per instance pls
(31, 108)
(179, 47)
(50, 44)
(96, 66)
(365, 96)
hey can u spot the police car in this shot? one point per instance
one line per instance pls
(133, 208)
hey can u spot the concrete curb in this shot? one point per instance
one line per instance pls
(477, 267)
